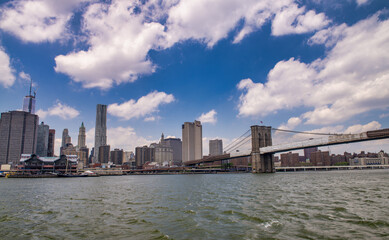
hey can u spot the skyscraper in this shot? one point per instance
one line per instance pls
(50, 147)
(42, 140)
(100, 129)
(176, 144)
(18, 135)
(29, 102)
(81, 136)
(215, 147)
(65, 135)
(192, 141)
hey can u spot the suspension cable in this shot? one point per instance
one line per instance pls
(313, 133)
(238, 144)
(233, 142)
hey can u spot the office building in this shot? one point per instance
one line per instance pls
(100, 130)
(215, 147)
(29, 102)
(104, 154)
(42, 144)
(192, 141)
(50, 146)
(142, 155)
(176, 145)
(117, 156)
(81, 136)
(69, 149)
(163, 152)
(18, 135)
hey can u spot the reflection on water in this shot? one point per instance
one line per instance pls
(315, 205)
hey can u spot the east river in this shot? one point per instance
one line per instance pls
(300, 205)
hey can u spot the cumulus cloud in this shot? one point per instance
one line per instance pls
(209, 117)
(120, 137)
(7, 77)
(60, 110)
(144, 106)
(295, 20)
(352, 79)
(37, 21)
(361, 2)
(121, 33)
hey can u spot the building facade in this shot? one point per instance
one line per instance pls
(176, 145)
(42, 140)
(117, 156)
(142, 155)
(51, 142)
(104, 152)
(100, 130)
(81, 136)
(163, 152)
(308, 151)
(289, 159)
(18, 135)
(215, 147)
(320, 158)
(192, 141)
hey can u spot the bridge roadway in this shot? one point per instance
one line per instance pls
(321, 142)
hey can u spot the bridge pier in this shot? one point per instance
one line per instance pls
(261, 137)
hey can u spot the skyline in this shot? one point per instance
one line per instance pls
(320, 66)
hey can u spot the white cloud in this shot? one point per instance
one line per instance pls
(121, 33)
(150, 119)
(120, 137)
(295, 20)
(352, 79)
(60, 110)
(57, 145)
(7, 78)
(209, 117)
(291, 124)
(38, 21)
(144, 106)
(361, 2)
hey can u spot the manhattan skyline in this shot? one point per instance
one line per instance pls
(299, 65)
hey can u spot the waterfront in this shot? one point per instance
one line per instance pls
(315, 205)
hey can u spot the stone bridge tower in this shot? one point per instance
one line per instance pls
(261, 137)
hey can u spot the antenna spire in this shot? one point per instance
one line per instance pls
(30, 86)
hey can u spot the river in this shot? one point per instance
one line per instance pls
(299, 205)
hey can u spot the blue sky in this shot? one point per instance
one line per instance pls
(315, 65)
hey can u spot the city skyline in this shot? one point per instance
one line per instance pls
(300, 66)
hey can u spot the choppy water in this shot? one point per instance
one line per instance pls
(308, 205)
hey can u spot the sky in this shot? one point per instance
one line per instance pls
(319, 66)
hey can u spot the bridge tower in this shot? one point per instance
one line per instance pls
(261, 137)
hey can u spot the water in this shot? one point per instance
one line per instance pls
(301, 205)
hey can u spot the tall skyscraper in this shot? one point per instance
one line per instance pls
(42, 140)
(192, 141)
(215, 147)
(65, 135)
(142, 155)
(81, 136)
(100, 129)
(18, 135)
(50, 147)
(29, 102)
(117, 156)
(176, 144)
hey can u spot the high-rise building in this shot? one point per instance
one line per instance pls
(42, 140)
(117, 156)
(192, 141)
(18, 135)
(176, 145)
(308, 151)
(81, 136)
(29, 102)
(100, 129)
(290, 159)
(163, 152)
(65, 135)
(142, 155)
(320, 158)
(215, 147)
(50, 146)
(104, 154)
